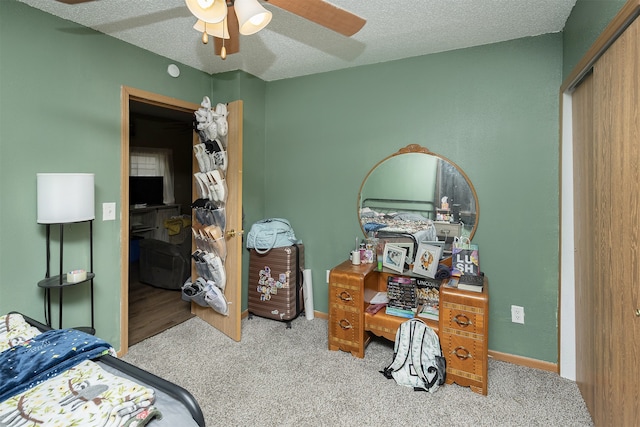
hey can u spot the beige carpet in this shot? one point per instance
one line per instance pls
(287, 377)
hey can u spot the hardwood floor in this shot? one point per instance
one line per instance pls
(152, 310)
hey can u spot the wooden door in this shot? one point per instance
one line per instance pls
(617, 119)
(606, 124)
(585, 239)
(229, 325)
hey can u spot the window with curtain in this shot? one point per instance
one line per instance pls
(153, 162)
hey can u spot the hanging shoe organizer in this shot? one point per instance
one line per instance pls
(209, 224)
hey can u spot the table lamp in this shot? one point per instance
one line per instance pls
(65, 197)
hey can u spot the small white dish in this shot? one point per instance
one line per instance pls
(76, 276)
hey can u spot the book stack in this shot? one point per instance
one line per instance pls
(471, 283)
(403, 301)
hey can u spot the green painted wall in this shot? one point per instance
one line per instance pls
(491, 109)
(587, 20)
(60, 112)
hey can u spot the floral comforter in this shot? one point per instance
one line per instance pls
(48, 379)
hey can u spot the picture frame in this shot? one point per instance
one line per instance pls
(393, 257)
(427, 260)
(408, 248)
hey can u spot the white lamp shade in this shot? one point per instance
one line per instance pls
(219, 30)
(252, 17)
(207, 10)
(65, 197)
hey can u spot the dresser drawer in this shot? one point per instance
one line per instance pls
(345, 330)
(465, 357)
(345, 295)
(462, 319)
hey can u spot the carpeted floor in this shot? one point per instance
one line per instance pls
(286, 377)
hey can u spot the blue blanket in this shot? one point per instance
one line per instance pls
(45, 356)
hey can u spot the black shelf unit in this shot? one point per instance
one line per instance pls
(60, 282)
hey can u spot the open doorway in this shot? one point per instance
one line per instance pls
(160, 162)
(154, 124)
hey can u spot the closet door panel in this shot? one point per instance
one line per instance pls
(584, 239)
(617, 118)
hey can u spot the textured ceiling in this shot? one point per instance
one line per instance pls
(291, 46)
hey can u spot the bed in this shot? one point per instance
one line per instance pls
(67, 377)
(408, 217)
(419, 218)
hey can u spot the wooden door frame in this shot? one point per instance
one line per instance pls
(132, 94)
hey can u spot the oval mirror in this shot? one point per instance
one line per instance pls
(414, 188)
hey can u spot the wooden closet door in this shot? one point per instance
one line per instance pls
(584, 238)
(230, 325)
(617, 251)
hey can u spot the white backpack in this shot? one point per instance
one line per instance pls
(417, 357)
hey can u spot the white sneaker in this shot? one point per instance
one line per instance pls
(215, 298)
(221, 110)
(223, 126)
(217, 184)
(216, 268)
(199, 152)
(202, 186)
(211, 130)
(220, 154)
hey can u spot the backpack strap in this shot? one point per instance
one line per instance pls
(402, 348)
(416, 353)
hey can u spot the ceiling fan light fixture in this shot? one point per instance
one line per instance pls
(252, 17)
(210, 11)
(205, 4)
(219, 30)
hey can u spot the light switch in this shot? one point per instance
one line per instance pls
(109, 211)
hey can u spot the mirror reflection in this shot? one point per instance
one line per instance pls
(415, 191)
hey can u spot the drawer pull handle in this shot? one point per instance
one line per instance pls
(461, 353)
(345, 296)
(462, 320)
(345, 324)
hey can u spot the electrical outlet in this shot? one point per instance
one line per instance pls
(517, 314)
(328, 271)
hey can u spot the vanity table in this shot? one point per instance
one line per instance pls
(412, 182)
(462, 326)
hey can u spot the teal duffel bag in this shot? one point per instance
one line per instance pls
(270, 233)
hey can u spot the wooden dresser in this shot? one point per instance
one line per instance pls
(462, 326)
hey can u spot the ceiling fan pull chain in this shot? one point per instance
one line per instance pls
(223, 51)
(205, 36)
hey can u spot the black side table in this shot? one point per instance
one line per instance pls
(60, 282)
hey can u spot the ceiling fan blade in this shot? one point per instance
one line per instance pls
(232, 44)
(323, 13)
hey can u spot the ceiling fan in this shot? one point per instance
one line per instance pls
(223, 24)
(318, 11)
(227, 32)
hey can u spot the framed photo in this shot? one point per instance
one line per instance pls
(427, 259)
(393, 257)
(408, 248)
